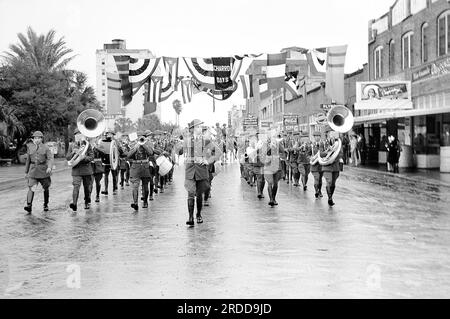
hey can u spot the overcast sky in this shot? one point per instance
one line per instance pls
(203, 28)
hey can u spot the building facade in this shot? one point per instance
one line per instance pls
(104, 64)
(411, 42)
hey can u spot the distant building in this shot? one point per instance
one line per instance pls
(104, 64)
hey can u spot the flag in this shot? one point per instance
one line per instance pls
(149, 107)
(222, 73)
(334, 88)
(247, 87)
(153, 91)
(186, 90)
(122, 64)
(167, 91)
(171, 72)
(291, 87)
(276, 67)
(264, 91)
(114, 94)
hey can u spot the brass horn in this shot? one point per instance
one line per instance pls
(340, 119)
(91, 123)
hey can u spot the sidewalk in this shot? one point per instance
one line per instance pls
(427, 176)
(17, 171)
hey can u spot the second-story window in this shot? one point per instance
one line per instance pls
(407, 50)
(444, 33)
(392, 57)
(378, 62)
(425, 43)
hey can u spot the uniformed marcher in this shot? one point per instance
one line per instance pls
(331, 171)
(257, 167)
(198, 156)
(304, 157)
(81, 172)
(98, 171)
(109, 135)
(272, 169)
(139, 156)
(316, 169)
(38, 169)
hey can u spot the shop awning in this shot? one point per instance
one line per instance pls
(399, 114)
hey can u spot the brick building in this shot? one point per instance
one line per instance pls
(411, 42)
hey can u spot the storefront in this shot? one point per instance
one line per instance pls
(424, 138)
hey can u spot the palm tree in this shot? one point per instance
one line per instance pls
(42, 52)
(178, 108)
(10, 126)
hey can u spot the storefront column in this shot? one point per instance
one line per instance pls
(407, 155)
(445, 159)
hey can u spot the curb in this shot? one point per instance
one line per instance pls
(23, 178)
(427, 181)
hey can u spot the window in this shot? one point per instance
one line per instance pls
(444, 33)
(407, 50)
(425, 42)
(377, 62)
(392, 57)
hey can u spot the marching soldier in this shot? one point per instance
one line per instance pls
(140, 169)
(81, 172)
(257, 167)
(304, 158)
(331, 171)
(316, 169)
(123, 165)
(198, 156)
(272, 169)
(98, 171)
(38, 169)
(293, 162)
(109, 135)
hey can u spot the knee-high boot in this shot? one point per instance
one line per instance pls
(46, 196)
(199, 204)
(191, 204)
(269, 192)
(30, 196)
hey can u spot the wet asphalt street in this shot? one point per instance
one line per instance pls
(385, 238)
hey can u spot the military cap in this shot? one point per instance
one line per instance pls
(38, 134)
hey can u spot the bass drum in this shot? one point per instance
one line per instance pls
(114, 155)
(164, 165)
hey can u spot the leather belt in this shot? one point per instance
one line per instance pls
(140, 161)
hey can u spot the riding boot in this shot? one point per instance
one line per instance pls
(46, 198)
(30, 197)
(199, 205)
(191, 204)
(269, 191)
(316, 188)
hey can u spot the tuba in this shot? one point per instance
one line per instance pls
(90, 123)
(340, 119)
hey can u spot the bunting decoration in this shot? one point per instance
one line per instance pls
(218, 77)
(276, 68)
(247, 87)
(334, 88)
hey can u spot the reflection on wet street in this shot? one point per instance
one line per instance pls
(386, 237)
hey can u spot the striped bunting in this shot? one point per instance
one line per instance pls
(276, 68)
(247, 87)
(334, 88)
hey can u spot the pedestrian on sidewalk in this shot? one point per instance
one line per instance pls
(354, 150)
(394, 150)
(38, 169)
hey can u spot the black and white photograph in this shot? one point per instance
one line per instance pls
(224, 150)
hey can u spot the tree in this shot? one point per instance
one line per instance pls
(153, 123)
(41, 52)
(124, 125)
(10, 126)
(177, 106)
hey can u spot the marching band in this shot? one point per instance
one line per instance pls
(147, 161)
